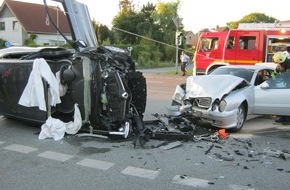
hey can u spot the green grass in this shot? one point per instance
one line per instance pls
(173, 72)
(166, 64)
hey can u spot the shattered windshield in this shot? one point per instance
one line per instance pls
(246, 74)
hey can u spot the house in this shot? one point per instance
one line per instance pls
(19, 20)
(192, 39)
(188, 35)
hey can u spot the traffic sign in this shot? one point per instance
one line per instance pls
(7, 44)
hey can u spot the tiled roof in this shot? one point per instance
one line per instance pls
(33, 17)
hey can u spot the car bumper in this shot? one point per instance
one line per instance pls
(226, 119)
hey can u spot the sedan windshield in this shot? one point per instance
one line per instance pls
(246, 74)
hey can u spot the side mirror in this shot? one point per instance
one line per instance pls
(264, 85)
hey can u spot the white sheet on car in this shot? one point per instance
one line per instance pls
(211, 85)
(56, 129)
(62, 87)
(33, 94)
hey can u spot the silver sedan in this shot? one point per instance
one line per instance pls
(228, 96)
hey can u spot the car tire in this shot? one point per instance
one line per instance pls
(241, 117)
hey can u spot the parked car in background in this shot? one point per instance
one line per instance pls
(226, 97)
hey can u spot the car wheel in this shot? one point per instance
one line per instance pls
(241, 117)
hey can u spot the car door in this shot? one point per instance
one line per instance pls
(273, 96)
(14, 76)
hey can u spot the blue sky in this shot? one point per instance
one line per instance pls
(196, 14)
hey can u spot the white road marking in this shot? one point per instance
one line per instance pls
(20, 148)
(189, 181)
(98, 164)
(133, 171)
(140, 172)
(55, 156)
(238, 187)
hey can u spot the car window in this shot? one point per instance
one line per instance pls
(280, 81)
(262, 76)
(246, 74)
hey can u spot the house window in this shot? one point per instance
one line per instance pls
(2, 26)
(15, 25)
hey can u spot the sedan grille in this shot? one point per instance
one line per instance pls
(203, 102)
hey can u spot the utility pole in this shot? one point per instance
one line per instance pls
(177, 21)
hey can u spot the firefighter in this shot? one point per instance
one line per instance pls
(283, 65)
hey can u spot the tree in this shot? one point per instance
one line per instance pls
(31, 41)
(125, 5)
(102, 32)
(252, 18)
(163, 15)
(147, 27)
(150, 22)
(2, 43)
(127, 21)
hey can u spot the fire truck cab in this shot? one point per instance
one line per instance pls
(248, 45)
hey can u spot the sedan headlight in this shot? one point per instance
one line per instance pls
(215, 104)
(222, 105)
(179, 94)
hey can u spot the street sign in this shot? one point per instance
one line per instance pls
(177, 22)
(7, 44)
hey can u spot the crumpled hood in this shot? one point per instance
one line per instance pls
(214, 86)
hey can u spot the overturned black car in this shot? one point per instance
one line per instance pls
(101, 80)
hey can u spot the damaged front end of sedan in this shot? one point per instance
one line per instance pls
(222, 101)
(101, 80)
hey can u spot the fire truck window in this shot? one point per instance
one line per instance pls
(231, 43)
(204, 45)
(214, 44)
(209, 44)
(247, 42)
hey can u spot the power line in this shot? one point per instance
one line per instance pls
(156, 41)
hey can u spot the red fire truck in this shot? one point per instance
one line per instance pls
(250, 44)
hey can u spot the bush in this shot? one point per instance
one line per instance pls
(156, 56)
(144, 56)
(2, 43)
(170, 54)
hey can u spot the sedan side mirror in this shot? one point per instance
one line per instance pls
(264, 85)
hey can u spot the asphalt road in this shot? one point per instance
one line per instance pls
(252, 159)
